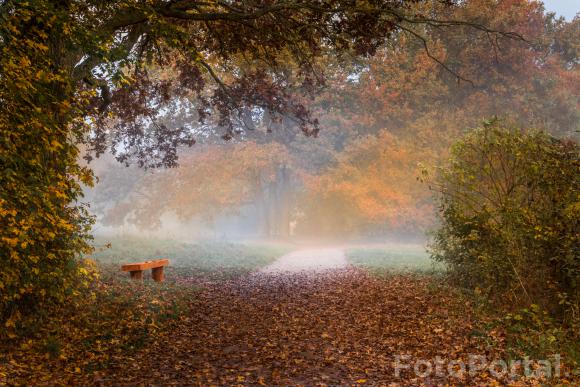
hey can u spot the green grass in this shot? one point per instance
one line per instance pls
(408, 259)
(212, 258)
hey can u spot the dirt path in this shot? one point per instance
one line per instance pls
(311, 261)
(339, 327)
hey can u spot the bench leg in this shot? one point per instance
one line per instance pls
(137, 274)
(157, 274)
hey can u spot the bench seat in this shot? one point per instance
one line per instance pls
(156, 266)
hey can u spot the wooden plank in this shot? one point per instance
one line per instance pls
(145, 265)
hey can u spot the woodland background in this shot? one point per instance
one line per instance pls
(385, 120)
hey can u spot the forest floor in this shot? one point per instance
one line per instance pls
(311, 319)
(355, 317)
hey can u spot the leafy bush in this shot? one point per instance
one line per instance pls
(43, 229)
(509, 211)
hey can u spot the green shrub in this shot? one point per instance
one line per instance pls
(509, 212)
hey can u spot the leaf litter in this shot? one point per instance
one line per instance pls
(343, 327)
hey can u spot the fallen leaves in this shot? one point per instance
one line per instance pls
(77, 340)
(342, 327)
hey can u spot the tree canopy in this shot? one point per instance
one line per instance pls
(231, 60)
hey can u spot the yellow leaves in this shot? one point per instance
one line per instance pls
(14, 255)
(41, 47)
(5, 212)
(473, 235)
(86, 177)
(66, 30)
(39, 232)
(10, 323)
(11, 334)
(24, 61)
(55, 145)
(12, 242)
(83, 271)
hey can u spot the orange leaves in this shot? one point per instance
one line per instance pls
(209, 181)
(375, 179)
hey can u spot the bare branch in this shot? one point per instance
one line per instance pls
(434, 58)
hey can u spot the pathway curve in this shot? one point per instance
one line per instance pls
(311, 261)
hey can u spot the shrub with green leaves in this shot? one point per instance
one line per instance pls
(510, 211)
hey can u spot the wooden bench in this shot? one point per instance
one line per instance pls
(136, 269)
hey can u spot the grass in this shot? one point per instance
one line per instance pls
(403, 259)
(215, 259)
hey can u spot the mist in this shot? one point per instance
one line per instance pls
(387, 124)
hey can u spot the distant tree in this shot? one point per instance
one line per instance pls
(534, 82)
(211, 180)
(372, 190)
(404, 103)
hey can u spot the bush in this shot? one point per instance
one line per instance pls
(509, 212)
(43, 228)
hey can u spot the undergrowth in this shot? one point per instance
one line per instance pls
(118, 316)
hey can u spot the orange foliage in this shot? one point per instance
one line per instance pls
(211, 180)
(409, 109)
(373, 187)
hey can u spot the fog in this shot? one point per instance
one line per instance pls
(387, 123)
(265, 197)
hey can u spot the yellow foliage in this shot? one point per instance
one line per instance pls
(41, 233)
